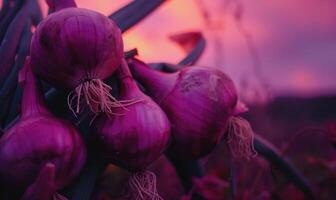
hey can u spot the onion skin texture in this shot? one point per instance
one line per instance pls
(39, 138)
(138, 136)
(34, 141)
(74, 45)
(198, 102)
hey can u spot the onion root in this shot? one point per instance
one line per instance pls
(143, 186)
(58, 196)
(97, 96)
(240, 138)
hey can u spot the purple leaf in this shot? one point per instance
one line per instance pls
(7, 91)
(10, 43)
(35, 12)
(192, 42)
(4, 9)
(134, 12)
(10, 14)
(270, 153)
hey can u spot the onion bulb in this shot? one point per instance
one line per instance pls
(36, 139)
(200, 103)
(136, 138)
(75, 49)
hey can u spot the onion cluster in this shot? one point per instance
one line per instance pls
(187, 112)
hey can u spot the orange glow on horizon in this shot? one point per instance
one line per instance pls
(303, 80)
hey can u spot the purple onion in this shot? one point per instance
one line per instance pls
(200, 103)
(75, 49)
(38, 138)
(136, 137)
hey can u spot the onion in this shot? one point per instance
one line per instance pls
(136, 138)
(200, 103)
(75, 49)
(38, 138)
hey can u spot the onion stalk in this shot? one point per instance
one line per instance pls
(136, 138)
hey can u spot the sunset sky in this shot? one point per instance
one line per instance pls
(295, 40)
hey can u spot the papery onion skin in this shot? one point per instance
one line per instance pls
(138, 136)
(39, 138)
(198, 102)
(74, 45)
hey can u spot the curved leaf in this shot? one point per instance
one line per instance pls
(131, 53)
(193, 43)
(7, 91)
(166, 67)
(4, 9)
(35, 12)
(270, 153)
(134, 12)
(10, 43)
(10, 14)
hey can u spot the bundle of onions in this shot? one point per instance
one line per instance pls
(200, 103)
(136, 138)
(39, 145)
(75, 49)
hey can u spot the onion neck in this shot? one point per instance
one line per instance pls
(32, 98)
(127, 83)
(157, 84)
